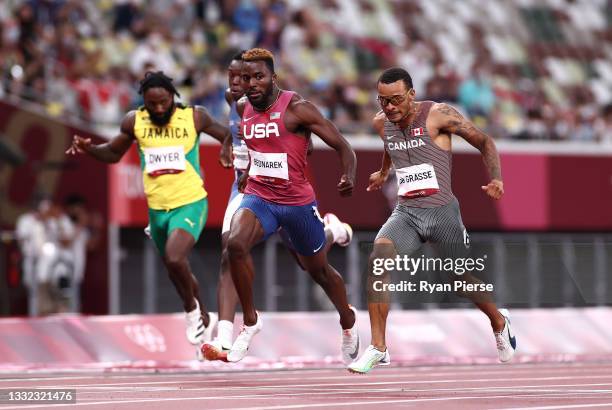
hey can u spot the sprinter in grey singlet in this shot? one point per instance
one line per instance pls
(417, 140)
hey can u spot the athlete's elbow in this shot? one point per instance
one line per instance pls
(490, 144)
(485, 144)
(113, 159)
(345, 150)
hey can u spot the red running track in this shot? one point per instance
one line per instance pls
(517, 386)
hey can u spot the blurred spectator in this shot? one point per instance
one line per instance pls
(125, 12)
(45, 237)
(476, 94)
(209, 91)
(442, 86)
(535, 127)
(272, 26)
(604, 125)
(86, 237)
(247, 18)
(157, 50)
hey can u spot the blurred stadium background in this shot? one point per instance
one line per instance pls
(536, 75)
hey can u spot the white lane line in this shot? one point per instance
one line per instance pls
(36, 379)
(355, 380)
(594, 394)
(397, 372)
(516, 390)
(105, 390)
(295, 406)
(169, 399)
(351, 395)
(568, 406)
(457, 369)
(346, 376)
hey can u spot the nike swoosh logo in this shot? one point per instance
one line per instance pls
(249, 119)
(385, 358)
(189, 222)
(391, 136)
(319, 248)
(512, 338)
(512, 341)
(356, 352)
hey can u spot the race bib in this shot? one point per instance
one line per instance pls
(417, 180)
(164, 160)
(271, 168)
(241, 156)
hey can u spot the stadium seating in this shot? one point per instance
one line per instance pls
(509, 65)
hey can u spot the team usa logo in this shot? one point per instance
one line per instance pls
(260, 130)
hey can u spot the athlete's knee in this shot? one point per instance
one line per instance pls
(236, 248)
(224, 260)
(383, 249)
(380, 271)
(175, 262)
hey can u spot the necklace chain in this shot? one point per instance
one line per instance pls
(273, 102)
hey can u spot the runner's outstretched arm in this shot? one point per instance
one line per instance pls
(111, 151)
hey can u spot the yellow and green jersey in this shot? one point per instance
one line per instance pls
(169, 159)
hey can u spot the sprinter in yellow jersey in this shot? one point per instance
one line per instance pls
(167, 135)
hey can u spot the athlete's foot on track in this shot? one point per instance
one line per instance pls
(371, 358)
(505, 340)
(241, 344)
(350, 342)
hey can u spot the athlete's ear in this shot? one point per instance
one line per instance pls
(412, 92)
(274, 78)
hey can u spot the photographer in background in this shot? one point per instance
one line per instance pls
(87, 228)
(45, 237)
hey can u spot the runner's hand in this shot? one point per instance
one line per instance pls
(226, 156)
(377, 179)
(345, 186)
(79, 145)
(495, 188)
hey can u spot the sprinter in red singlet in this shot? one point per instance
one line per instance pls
(336, 231)
(276, 126)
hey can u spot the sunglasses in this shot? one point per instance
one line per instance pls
(394, 99)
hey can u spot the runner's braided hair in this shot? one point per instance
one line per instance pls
(154, 79)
